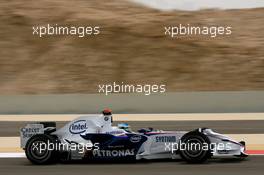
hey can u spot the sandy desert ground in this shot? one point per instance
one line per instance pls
(131, 48)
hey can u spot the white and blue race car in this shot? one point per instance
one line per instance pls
(94, 138)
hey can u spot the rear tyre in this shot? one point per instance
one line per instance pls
(37, 149)
(197, 147)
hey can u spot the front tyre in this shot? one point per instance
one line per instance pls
(196, 147)
(37, 150)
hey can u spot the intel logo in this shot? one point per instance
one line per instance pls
(135, 138)
(78, 127)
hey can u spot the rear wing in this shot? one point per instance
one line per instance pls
(28, 131)
(32, 129)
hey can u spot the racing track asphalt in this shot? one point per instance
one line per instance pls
(251, 166)
(8, 129)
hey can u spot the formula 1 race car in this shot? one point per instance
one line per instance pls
(94, 138)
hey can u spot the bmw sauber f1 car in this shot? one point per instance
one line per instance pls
(94, 138)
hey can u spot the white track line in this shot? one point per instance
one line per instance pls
(141, 117)
(12, 155)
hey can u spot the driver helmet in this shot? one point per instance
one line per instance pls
(124, 126)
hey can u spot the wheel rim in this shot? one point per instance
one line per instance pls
(194, 147)
(38, 150)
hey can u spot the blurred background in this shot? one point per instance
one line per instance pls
(131, 48)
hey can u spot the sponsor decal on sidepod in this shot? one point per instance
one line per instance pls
(135, 138)
(113, 153)
(78, 127)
